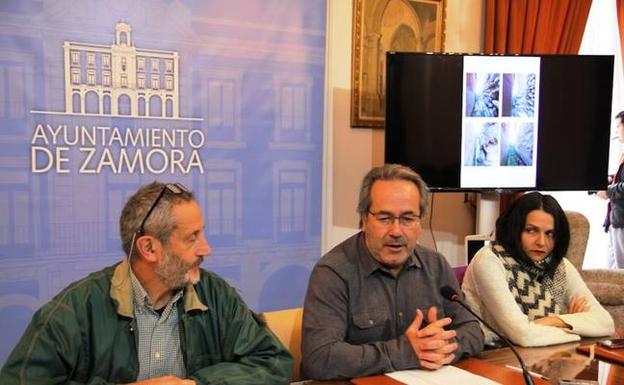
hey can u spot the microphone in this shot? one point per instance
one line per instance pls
(450, 294)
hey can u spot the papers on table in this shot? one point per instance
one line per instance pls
(442, 376)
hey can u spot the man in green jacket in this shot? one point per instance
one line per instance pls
(154, 318)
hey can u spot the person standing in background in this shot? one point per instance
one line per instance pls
(614, 221)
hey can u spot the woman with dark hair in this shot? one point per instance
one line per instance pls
(523, 285)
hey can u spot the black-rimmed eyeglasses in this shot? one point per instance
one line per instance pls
(174, 188)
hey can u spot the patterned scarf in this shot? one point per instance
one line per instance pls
(537, 294)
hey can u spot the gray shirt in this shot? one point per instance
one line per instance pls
(356, 312)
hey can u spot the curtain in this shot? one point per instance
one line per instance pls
(620, 16)
(535, 27)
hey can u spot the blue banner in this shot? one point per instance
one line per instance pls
(100, 97)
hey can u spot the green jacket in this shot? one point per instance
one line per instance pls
(85, 335)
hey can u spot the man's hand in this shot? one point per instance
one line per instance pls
(433, 345)
(165, 380)
(602, 194)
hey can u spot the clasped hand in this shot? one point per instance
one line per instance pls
(433, 345)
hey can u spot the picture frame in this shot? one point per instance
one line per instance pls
(387, 25)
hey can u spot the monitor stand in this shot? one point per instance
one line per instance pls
(487, 212)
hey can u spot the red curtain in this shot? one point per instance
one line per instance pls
(536, 27)
(620, 16)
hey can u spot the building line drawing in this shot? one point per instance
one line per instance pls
(121, 80)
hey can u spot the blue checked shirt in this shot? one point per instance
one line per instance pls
(158, 339)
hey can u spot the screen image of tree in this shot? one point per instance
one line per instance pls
(500, 120)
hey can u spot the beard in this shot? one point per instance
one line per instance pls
(176, 273)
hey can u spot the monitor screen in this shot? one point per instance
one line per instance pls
(488, 122)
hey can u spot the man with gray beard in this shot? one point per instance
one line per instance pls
(154, 318)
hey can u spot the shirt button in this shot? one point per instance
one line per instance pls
(157, 355)
(400, 314)
(370, 321)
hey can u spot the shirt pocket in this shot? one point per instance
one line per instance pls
(368, 326)
(369, 319)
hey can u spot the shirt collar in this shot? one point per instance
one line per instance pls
(121, 292)
(369, 264)
(140, 296)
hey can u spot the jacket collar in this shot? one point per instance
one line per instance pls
(121, 292)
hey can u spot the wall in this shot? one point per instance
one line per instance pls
(350, 153)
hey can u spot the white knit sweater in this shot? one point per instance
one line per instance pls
(487, 293)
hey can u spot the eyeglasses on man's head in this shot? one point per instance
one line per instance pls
(173, 188)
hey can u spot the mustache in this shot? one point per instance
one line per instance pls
(197, 262)
(398, 241)
(191, 264)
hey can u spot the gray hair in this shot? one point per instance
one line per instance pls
(160, 223)
(390, 172)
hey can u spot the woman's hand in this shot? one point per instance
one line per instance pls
(577, 305)
(552, 320)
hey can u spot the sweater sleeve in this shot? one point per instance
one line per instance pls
(592, 323)
(488, 294)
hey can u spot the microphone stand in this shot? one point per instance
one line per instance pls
(450, 294)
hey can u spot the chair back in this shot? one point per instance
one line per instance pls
(286, 325)
(460, 271)
(579, 234)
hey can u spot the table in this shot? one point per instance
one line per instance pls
(560, 362)
(554, 362)
(483, 368)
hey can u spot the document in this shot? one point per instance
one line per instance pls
(443, 376)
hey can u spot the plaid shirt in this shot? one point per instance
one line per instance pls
(158, 339)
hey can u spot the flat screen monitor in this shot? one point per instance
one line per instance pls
(494, 122)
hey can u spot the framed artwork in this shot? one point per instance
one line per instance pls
(387, 25)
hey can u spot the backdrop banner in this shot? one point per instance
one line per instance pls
(100, 97)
